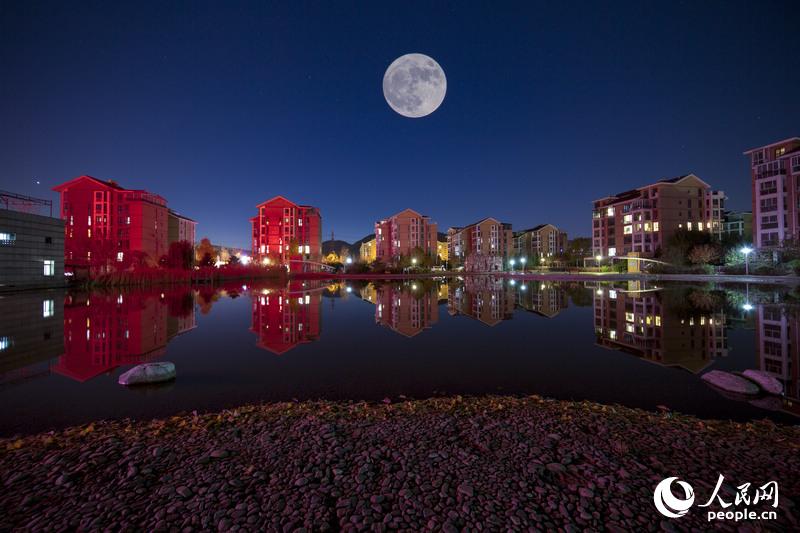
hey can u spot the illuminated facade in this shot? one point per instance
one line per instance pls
(286, 233)
(403, 234)
(441, 250)
(544, 240)
(367, 251)
(641, 221)
(775, 178)
(485, 246)
(109, 226)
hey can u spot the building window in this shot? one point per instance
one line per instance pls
(48, 308)
(48, 240)
(120, 256)
(7, 239)
(5, 343)
(612, 252)
(627, 230)
(610, 211)
(49, 267)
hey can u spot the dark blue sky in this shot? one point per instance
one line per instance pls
(218, 106)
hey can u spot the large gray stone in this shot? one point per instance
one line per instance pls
(730, 382)
(148, 373)
(765, 380)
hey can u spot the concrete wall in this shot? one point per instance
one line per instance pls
(38, 238)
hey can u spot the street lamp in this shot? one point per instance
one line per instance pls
(746, 250)
(349, 261)
(523, 260)
(511, 263)
(598, 258)
(414, 261)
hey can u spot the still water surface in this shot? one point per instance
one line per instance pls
(626, 342)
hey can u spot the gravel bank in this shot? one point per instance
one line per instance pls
(443, 464)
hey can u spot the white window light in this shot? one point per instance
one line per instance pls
(49, 267)
(48, 308)
(7, 238)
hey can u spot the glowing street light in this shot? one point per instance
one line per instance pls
(413, 260)
(747, 306)
(746, 250)
(511, 262)
(349, 261)
(523, 260)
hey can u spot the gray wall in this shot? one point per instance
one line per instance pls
(22, 261)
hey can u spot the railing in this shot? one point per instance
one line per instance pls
(25, 204)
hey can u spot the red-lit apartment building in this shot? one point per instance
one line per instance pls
(775, 174)
(641, 221)
(286, 233)
(402, 234)
(107, 225)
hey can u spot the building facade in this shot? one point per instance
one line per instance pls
(544, 240)
(288, 234)
(641, 221)
(31, 244)
(775, 177)
(407, 310)
(109, 226)
(485, 246)
(403, 235)
(366, 252)
(285, 318)
(442, 250)
(738, 224)
(180, 228)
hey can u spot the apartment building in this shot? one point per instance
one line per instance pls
(544, 240)
(404, 234)
(407, 310)
(285, 318)
(367, 251)
(484, 298)
(775, 176)
(288, 234)
(778, 351)
(641, 221)
(180, 228)
(738, 224)
(107, 225)
(485, 246)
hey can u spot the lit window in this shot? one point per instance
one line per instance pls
(629, 328)
(612, 294)
(655, 226)
(627, 230)
(612, 334)
(610, 211)
(689, 226)
(5, 342)
(48, 308)
(647, 226)
(49, 267)
(629, 317)
(120, 255)
(700, 226)
(612, 252)
(308, 249)
(7, 238)
(627, 219)
(658, 321)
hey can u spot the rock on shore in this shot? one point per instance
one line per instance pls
(148, 373)
(443, 464)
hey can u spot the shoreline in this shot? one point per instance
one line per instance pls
(444, 463)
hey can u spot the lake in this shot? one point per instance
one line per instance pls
(632, 343)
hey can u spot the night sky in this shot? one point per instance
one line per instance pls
(219, 106)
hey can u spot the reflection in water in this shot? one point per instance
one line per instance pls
(286, 317)
(45, 336)
(637, 321)
(778, 349)
(485, 298)
(105, 330)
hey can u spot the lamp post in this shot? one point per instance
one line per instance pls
(523, 260)
(511, 262)
(598, 258)
(746, 250)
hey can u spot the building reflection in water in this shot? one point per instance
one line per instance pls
(484, 298)
(546, 299)
(105, 330)
(31, 334)
(407, 308)
(635, 320)
(286, 317)
(778, 350)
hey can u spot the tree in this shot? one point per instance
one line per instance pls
(704, 254)
(234, 260)
(205, 248)
(180, 255)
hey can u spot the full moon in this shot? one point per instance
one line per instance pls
(414, 85)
